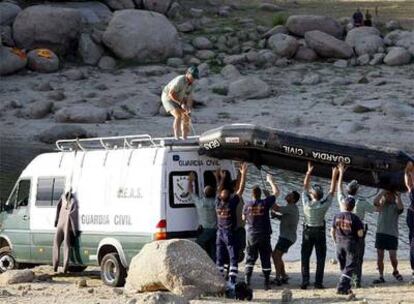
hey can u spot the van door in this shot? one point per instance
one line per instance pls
(17, 222)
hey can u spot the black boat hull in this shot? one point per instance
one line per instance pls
(373, 167)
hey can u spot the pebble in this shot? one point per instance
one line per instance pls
(5, 293)
(44, 87)
(118, 291)
(361, 109)
(91, 290)
(82, 283)
(56, 96)
(333, 261)
(286, 295)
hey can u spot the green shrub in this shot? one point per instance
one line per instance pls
(279, 19)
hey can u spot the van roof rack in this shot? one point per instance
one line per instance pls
(122, 142)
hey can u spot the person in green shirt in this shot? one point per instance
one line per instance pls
(362, 206)
(206, 211)
(390, 207)
(289, 219)
(315, 206)
(177, 100)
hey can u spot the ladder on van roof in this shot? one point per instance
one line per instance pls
(122, 142)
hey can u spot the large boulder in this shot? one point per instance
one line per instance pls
(6, 36)
(89, 51)
(39, 109)
(202, 43)
(300, 24)
(81, 114)
(328, 46)
(16, 277)
(56, 132)
(397, 56)
(365, 40)
(142, 36)
(407, 41)
(180, 266)
(249, 88)
(159, 6)
(305, 53)
(283, 45)
(43, 61)
(12, 60)
(42, 26)
(8, 12)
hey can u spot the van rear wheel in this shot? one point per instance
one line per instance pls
(7, 261)
(113, 273)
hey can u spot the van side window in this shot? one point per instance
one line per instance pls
(20, 197)
(210, 179)
(49, 190)
(178, 189)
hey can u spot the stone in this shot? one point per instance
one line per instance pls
(159, 298)
(159, 6)
(364, 59)
(407, 41)
(391, 38)
(42, 26)
(230, 72)
(12, 60)
(377, 59)
(142, 36)
(74, 74)
(393, 25)
(269, 7)
(107, 63)
(224, 11)
(186, 27)
(300, 24)
(203, 70)
(8, 12)
(363, 80)
(341, 63)
(347, 128)
(44, 87)
(175, 62)
(196, 12)
(397, 56)
(327, 46)
(249, 88)
(278, 29)
(56, 96)
(6, 36)
(205, 54)
(365, 40)
(43, 61)
(235, 59)
(56, 132)
(361, 109)
(89, 50)
(283, 45)
(120, 4)
(188, 48)
(177, 265)
(311, 79)
(305, 54)
(286, 295)
(81, 283)
(81, 114)
(268, 56)
(11, 277)
(39, 109)
(202, 43)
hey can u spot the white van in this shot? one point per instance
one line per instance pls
(131, 190)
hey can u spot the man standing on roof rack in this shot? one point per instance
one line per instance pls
(178, 101)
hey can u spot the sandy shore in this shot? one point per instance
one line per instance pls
(64, 289)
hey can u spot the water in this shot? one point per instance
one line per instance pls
(15, 156)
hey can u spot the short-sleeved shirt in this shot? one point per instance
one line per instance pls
(410, 213)
(362, 206)
(180, 86)
(227, 213)
(314, 211)
(206, 211)
(387, 222)
(257, 215)
(346, 225)
(289, 219)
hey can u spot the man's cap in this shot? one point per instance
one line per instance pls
(193, 70)
(352, 186)
(318, 189)
(350, 202)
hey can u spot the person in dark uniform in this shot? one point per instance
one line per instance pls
(346, 231)
(226, 206)
(362, 206)
(315, 206)
(358, 18)
(258, 231)
(409, 182)
(390, 207)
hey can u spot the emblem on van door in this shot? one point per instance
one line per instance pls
(181, 194)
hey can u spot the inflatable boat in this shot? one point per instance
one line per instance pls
(371, 166)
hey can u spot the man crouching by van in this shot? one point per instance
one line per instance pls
(226, 242)
(206, 211)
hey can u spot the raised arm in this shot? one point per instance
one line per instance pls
(307, 180)
(341, 170)
(243, 171)
(378, 201)
(273, 185)
(409, 176)
(222, 174)
(399, 202)
(333, 180)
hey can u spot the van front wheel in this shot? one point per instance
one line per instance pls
(113, 273)
(7, 261)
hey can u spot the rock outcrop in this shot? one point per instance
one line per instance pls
(300, 24)
(327, 46)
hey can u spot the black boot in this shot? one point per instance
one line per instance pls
(267, 281)
(247, 279)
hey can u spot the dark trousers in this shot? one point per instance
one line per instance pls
(410, 224)
(360, 252)
(227, 247)
(346, 253)
(207, 240)
(258, 245)
(313, 237)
